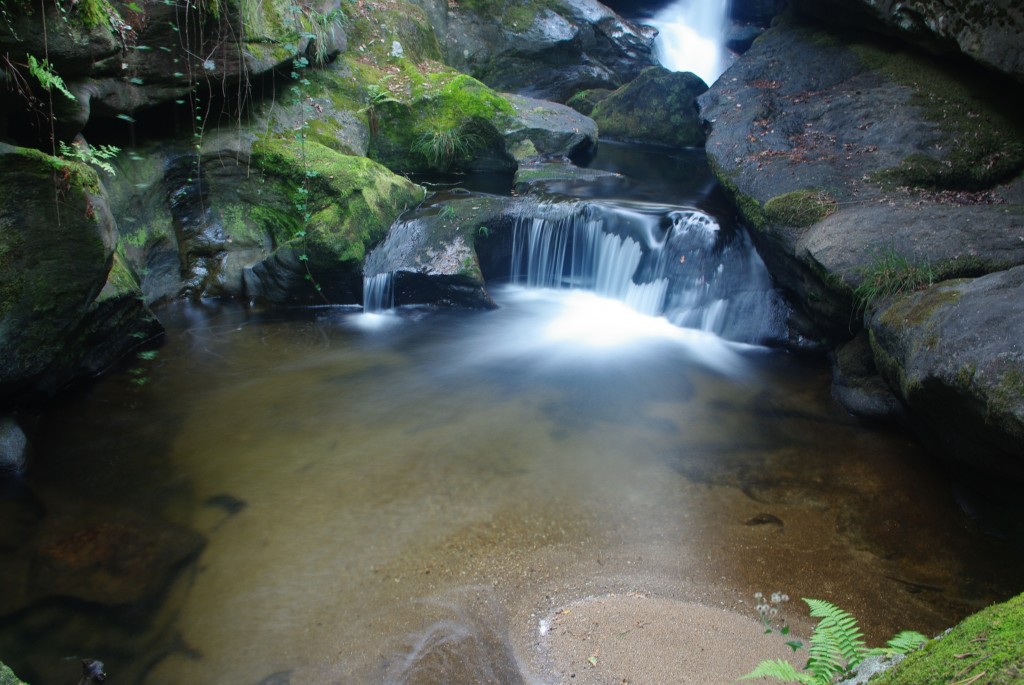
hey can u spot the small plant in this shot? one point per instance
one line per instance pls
(96, 156)
(47, 77)
(444, 148)
(769, 610)
(448, 212)
(484, 232)
(836, 648)
(891, 274)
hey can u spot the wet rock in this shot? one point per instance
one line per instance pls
(13, 447)
(658, 107)
(559, 175)
(955, 354)
(547, 128)
(857, 385)
(759, 12)
(431, 252)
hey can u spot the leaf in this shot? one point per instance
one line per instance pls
(592, 659)
(782, 670)
(125, 117)
(134, 8)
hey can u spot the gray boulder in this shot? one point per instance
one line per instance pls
(540, 127)
(658, 107)
(989, 31)
(547, 51)
(955, 355)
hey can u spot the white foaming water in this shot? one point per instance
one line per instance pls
(690, 37)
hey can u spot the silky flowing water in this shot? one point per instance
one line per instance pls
(385, 497)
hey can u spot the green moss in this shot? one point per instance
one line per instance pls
(918, 310)
(1009, 393)
(7, 676)
(445, 103)
(750, 209)
(984, 648)
(374, 27)
(800, 207)
(351, 200)
(517, 16)
(983, 134)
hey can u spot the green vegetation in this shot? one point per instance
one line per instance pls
(982, 134)
(800, 207)
(7, 676)
(836, 648)
(444, 148)
(890, 274)
(984, 648)
(96, 156)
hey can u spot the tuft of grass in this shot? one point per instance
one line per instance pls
(445, 148)
(891, 274)
(800, 207)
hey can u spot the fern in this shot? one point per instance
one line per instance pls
(836, 648)
(96, 156)
(901, 643)
(782, 670)
(47, 77)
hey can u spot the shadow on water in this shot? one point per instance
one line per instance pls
(327, 496)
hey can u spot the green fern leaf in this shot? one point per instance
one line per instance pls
(901, 643)
(784, 671)
(842, 627)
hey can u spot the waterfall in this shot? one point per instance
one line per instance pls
(378, 292)
(661, 261)
(691, 35)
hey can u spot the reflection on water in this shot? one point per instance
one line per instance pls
(339, 498)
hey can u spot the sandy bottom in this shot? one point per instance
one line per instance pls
(633, 638)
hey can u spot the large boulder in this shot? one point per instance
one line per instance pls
(867, 168)
(540, 127)
(67, 308)
(853, 147)
(989, 31)
(955, 353)
(548, 50)
(658, 107)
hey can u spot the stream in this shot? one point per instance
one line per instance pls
(331, 496)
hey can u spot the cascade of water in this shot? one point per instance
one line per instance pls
(378, 292)
(658, 260)
(691, 35)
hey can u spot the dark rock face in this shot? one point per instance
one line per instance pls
(989, 31)
(547, 52)
(658, 107)
(61, 289)
(13, 447)
(955, 353)
(547, 128)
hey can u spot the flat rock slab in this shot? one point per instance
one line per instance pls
(633, 638)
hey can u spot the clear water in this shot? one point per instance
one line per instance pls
(382, 497)
(372, 488)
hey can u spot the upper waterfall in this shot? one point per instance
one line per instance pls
(691, 34)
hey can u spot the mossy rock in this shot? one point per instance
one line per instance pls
(585, 101)
(985, 648)
(443, 121)
(340, 206)
(658, 107)
(982, 130)
(800, 207)
(56, 243)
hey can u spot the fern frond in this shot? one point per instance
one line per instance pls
(845, 635)
(825, 658)
(901, 643)
(784, 671)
